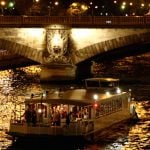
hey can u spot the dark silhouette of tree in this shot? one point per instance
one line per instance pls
(22, 6)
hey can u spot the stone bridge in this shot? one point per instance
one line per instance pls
(59, 48)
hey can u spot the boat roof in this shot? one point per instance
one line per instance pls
(103, 79)
(75, 96)
(80, 97)
(60, 100)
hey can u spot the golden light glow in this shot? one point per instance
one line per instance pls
(74, 4)
(124, 3)
(33, 32)
(115, 2)
(123, 7)
(130, 3)
(39, 110)
(142, 5)
(37, 1)
(3, 3)
(78, 8)
(57, 41)
(84, 7)
(91, 3)
(108, 93)
(81, 33)
(56, 3)
(95, 96)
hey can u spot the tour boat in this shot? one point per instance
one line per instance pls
(74, 112)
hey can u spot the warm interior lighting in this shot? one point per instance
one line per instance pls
(95, 105)
(39, 110)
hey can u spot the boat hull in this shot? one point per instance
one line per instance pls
(47, 142)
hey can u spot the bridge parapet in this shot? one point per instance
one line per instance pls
(109, 21)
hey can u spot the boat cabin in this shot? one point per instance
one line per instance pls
(101, 83)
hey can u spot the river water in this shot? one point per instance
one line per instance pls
(14, 84)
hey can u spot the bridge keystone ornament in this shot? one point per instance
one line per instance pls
(57, 63)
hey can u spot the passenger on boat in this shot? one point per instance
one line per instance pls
(56, 118)
(85, 115)
(68, 118)
(134, 114)
(34, 117)
(28, 115)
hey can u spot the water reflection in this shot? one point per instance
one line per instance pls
(130, 136)
(14, 84)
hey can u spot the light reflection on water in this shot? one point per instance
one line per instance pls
(14, 85)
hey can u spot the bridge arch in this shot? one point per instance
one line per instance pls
(110, 45)
(22, 50)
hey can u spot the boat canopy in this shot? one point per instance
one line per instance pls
(57, 100)
(103, 79)
(81, 96)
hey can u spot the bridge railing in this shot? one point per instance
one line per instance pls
(6, 20)
(58, 19)
(120, 21)
(79, 20)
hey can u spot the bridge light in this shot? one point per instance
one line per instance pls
(3, 3)
(123, 7)
(56, 3)
(115, 2)
(124, 3)
(11, 4)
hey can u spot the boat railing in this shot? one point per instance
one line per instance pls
(77, 127)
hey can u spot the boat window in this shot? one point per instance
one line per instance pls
(96, 84)
(92, 84)
(108, 107)
(107, 84)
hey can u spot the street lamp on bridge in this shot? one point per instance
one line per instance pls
(52, 6)
(2, 3)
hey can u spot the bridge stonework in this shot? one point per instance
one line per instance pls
(75, 45)
(102, 40)
(25, 42)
